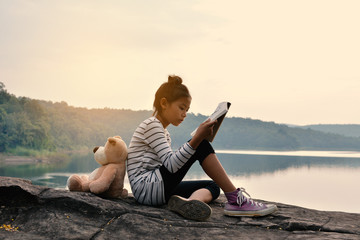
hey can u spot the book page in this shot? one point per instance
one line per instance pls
(219, 115)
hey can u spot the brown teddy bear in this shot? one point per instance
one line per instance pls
(107, 180)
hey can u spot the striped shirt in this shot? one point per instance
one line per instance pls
(150, 148)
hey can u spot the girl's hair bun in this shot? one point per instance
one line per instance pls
(173, 79)
(171, 90)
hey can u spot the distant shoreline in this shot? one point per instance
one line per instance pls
(20, 160)
(304, 153)
(40, 158)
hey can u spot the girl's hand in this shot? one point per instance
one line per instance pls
(204, 130)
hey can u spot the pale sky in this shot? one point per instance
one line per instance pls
(295, 62)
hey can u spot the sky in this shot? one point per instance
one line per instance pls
(293, 62)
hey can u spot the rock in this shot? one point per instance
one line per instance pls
(34, 212)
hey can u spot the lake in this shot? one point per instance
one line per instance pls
(312, 179)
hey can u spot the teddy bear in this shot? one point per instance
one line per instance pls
(107, 180)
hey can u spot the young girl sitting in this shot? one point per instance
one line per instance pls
(156, 172)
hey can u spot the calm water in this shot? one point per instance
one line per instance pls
(318, 180)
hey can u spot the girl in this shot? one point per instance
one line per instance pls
(156, 172)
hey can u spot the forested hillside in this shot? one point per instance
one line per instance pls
(245, 133)
(39, 125)
(350, 130)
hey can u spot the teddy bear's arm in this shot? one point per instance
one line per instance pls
(123, 191)
(103, 183)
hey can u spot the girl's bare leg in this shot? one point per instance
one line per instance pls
(216, 172)
(202, 194)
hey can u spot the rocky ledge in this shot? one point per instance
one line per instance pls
(34, 212)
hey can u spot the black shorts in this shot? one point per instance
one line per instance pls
(173, 183)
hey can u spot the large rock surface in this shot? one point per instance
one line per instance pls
(34, 212)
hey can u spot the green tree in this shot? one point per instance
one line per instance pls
(3, 132)
(4, 95)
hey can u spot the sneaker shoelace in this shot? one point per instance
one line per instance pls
(242, 199)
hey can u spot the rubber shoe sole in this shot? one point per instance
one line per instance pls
(190, 209)
(271, 208)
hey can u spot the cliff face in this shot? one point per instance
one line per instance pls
(34, 212)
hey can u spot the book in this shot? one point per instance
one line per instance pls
(219, 115)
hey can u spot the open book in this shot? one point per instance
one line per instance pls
(219, 115)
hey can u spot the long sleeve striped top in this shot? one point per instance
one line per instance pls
(150, 148)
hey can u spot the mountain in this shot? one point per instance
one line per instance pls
(44, 125)
(246, 133)
(349, 130)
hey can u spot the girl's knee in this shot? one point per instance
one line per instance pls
(214, 189)
(203, 150)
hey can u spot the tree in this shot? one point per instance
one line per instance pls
(3, 133)
(4, 95)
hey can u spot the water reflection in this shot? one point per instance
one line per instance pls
(54, 174)
(313, 182)
(245, 165)
(322, 188)
(308, 181)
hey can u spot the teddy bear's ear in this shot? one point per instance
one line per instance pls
(112, 140)
(95, 149)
